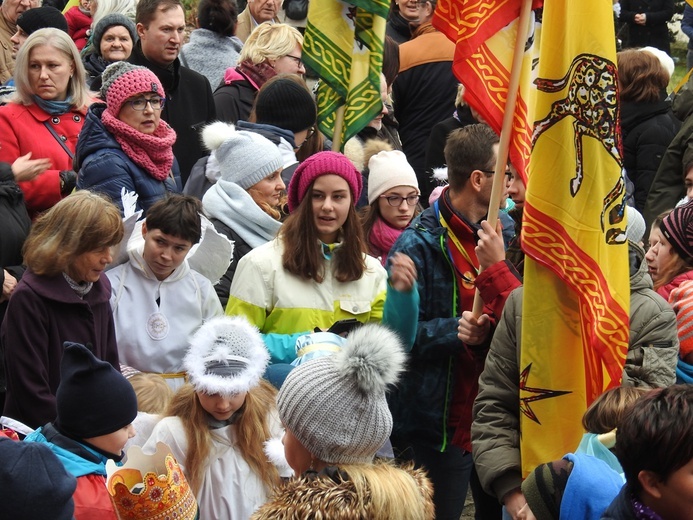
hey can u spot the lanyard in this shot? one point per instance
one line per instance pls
(458, 246)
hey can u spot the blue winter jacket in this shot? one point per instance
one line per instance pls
(103, 166)
(421, 403)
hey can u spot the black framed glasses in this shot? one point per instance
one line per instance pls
(157, 103)
(309, 134)
(491, 172)
(299, 61)
(396, 201)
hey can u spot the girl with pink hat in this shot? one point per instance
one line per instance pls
(316, 272)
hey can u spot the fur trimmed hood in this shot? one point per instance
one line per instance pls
(331, 494)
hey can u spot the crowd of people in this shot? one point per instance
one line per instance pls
(185, 260)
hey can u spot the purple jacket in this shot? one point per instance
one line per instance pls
(42, 314)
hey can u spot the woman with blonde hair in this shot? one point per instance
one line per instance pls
(216, 425)
(336, 418)
(63, 296)
(270, 49)
(45, 115)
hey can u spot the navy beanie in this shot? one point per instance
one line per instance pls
(93, 398)
(36, 481)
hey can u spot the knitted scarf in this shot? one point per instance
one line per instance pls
(153, 153)
(232, 205)
(381, 239)
(256, 74)
(463, 260)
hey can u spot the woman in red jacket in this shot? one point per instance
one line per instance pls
(45, 115)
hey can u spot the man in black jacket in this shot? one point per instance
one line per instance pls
(189, 102)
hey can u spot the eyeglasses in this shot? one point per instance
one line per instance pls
(311, 132)
(491, 172)
(396, 201)
(157, 103)
(298, 60)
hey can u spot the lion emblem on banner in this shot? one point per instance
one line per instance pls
(591, 99)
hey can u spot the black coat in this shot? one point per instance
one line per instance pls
(235, 101)
(240, 249)
(648, 129)
(13, 232)
(655, 32)
(189, 107)
(435, 158)
(620, 508)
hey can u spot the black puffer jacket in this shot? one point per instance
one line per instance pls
(648, 129)
(667, 188)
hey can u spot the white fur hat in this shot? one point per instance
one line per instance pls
(387, 170)
(227, 356)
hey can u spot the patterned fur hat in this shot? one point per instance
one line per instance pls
(227, 356)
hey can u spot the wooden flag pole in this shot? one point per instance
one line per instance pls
(506, 130)
(338, 124)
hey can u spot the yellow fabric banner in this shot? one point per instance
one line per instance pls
(576, 295)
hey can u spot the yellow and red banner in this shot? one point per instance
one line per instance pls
(576, 285)
(484, 32)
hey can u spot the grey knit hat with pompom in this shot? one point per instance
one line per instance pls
(335, 405)
(245, 158)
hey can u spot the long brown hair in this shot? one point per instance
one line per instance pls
(252, 430)
(302, 255)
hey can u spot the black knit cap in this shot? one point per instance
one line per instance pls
(34, 483)
(285, 103)
(93, 398)
(41, 18)
(677, 228)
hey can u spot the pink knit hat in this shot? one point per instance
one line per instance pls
(122, 80)
(323, 163)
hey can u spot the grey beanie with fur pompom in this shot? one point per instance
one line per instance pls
(335, 406)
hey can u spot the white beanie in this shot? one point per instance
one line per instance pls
(635, 227)
(227, 356)
(245, 158)
(387, 170)
(666, 60)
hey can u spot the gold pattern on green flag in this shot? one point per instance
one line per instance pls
(343, 44)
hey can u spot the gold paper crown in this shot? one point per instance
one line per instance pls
(162, 493)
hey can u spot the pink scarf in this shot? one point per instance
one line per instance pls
(381, 239)
(153, 153)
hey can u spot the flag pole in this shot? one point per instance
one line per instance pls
(338, 124)
(506, 130)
